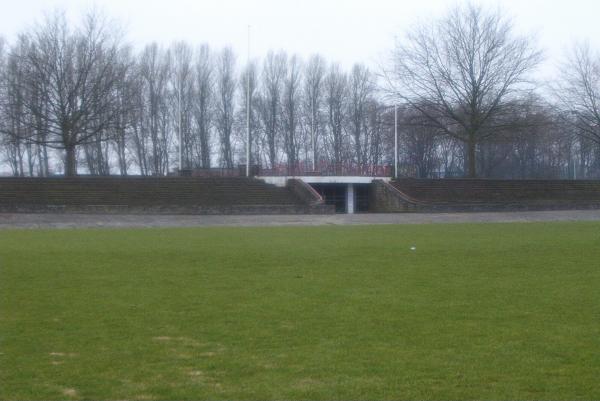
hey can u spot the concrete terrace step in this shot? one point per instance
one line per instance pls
(467, 194)
(199, 194)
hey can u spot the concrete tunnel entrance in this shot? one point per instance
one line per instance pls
(346, 198)
(349, 194)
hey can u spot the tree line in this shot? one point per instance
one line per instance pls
(78, 99)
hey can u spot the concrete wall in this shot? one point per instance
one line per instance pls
(309, 196)
(384, 198)
(162, 195)
(466, 195)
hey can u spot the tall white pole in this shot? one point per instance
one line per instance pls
(396, 141)
(312, 134)
(180, 133)
(248, 110)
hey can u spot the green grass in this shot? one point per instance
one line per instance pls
(495, 311)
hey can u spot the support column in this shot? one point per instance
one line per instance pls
(350, 199)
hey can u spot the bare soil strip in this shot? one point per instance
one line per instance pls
(66, 220)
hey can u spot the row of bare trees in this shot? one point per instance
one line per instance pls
(543, 145)
(77, 99)
(468, 78)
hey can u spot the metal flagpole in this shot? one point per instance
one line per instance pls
(180, 135)
(248, 110)
(312, 133)
(396, 141)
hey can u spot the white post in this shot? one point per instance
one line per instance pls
(248, 110)
(312, 134)
(179, 118)
(396, 141)
(350, 199)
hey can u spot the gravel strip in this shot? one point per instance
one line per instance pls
(67, 220)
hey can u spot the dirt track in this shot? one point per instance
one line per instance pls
(115, 220)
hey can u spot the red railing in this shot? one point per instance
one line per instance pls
(300, 169)
(214, 172)
(329, 169)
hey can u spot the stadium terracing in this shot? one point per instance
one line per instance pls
(284, 190)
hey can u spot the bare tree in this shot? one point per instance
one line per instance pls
(376, 130)
(75, 72)
(579, 92)
(314, 74)
(25, 157)
(153, 136)
(126, 100)
(360, 89)
(336, 89)
(12, 107)
(462, 71)
(226, 84)
(182, 96)
(249, 88)
(203, 108)
(290, 111)
(272, 80)
(139, 139)
(3, 136)
(419, 143)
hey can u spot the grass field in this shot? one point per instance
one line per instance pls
(495, 311)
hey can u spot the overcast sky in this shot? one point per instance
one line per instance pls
(344, 31)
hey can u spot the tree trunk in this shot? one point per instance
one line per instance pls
(20, 160)
(472, 167)
(204, 148)
(70, 162)
(46, 170)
